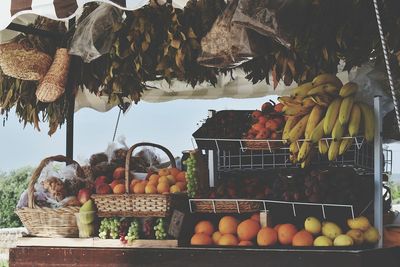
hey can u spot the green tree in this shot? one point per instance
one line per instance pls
(12, 184)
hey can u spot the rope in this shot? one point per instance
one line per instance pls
(386, 57)
(116, 124)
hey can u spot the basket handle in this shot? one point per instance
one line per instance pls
(129, 155)
(37, 172)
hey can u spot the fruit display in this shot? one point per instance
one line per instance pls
(267, 123)
(192, 183)
(248, 231)
(325, 108)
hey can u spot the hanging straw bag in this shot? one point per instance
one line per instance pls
(53, 84)
(44, 221)
(18, 61)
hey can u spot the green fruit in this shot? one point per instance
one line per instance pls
(322, 241)
(88, 206)
(371, 236)
(343, 241)
(331, 230)
(312, 225)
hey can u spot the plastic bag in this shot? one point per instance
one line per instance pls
(225, 45)
(264, 16)
(94, 35)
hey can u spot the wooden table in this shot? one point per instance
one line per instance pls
(150, 255)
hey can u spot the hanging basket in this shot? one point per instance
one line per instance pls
(53, 84)
(19, 62)
(136, 205)
(44, 221)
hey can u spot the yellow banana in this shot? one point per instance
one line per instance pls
(290, 101)
(290, 123)
(304, 151)
(331, 115)
(315, 117)
(293, 158)
(344, 145)
(303, 89)
(338, 130)
(323, 147)
(345, 109)
(322, 89)
(333, 150)
(296, 110)
(308, 102)
(294, 148)
(348, 89)
(298, 130)
(307, 161)
(318, 132)
(322, 100)
(327, 78)
(369, 121)
(354, 121)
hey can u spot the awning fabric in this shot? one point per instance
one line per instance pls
(60, 9)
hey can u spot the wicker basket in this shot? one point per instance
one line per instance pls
(234, 206)
(264, 145)
(136, 205)
(49, 222)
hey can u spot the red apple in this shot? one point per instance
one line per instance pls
(103, 189)
(100, 180)
(115, 182)
(83, 195)
(119, 173)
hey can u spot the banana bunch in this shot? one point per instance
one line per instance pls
(324, 108)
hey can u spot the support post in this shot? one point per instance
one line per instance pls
(378, 165)
(70, 91)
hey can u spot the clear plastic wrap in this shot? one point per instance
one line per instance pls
(94, 35)
(226, 45)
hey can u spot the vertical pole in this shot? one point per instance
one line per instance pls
(70, 91)
(378, 201)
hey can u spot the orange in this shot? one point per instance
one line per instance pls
(267, 237)
(228, 240)
(276, 227)
(201, 239)
(181, 185)
(163, 172)
(181, 177)
(163, 188)
(286, 233)
(139, 188)
(174, 189)
(255, 217)
(150, 189)
(205, 227)
(152, 182)
(135, 181)
(248, 230)
(171, 179)
(163, 179)
(303, 239)
(246, 243)
(216, 236)
(228, 225)
(115, 182)
(174, 171)
(154, 177)
(119, 189)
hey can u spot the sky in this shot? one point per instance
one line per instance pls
(170, 124)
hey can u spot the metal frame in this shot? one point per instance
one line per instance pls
(378, 199)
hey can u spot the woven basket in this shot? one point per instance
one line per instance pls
(136, 205)
(49, 222)
(242, 206)
(53, 84)
(263, 145)
(26, 64)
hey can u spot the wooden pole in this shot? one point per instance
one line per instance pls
(71, 106)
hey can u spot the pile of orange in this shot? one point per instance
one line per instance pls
(168, 180)
(232, 232)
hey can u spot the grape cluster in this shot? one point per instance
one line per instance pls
(123, 230)
(191, 175)
(133, 231)
(109, 228)
(159, 229)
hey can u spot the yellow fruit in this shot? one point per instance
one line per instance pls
(322, 100)
(201, 240)
(247, 230)
(323, 241)
(348, 89)
(327, 78)
(150, 189)
(322, 89)
(163, 187)
(338, 130)
(290, 101)
(318, 132)
(228, 240)
(296, 110)
(323, 147)
(369, 121)
(343, 241)
(333, 150)
(174, 189)
(331, 230)
(171, 179)
(290, 123)
(357, 236)
(216, 237)
(354, 121)
(303, 89)
(331, 115)
(304, 151)
(294, 148)
(359, 223)
(371, 236)
(315, 117)
(308, 102)
(312, 225)
(163, 179)
(228, 225)
(345, 110)
(344, 145)
(298, 130)
(205, 227)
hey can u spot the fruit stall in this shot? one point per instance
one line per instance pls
(298, 181)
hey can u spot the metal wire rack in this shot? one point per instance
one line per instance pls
(264, 204)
